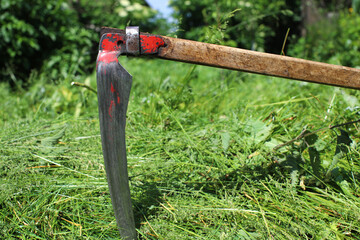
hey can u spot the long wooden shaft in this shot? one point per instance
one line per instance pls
(257, 62)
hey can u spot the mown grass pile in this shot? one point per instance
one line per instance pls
(213, 154)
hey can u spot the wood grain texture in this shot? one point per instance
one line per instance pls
(261, 63)
(114, 84)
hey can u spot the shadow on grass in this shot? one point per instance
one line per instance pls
(146, 203)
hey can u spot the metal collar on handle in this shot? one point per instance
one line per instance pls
(132, 40)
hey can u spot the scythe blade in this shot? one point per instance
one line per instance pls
(114, 84)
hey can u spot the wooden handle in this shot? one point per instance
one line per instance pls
(257, 62)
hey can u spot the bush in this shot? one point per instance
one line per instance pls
(335, 40)
(60, 37)
(116, 13)
(258, 25)
(31, 31)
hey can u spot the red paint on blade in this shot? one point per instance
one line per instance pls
(110, 47)
(107, 57)
(117, 93)
(112, 42)
(112, 105)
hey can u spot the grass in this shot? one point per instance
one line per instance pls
(201, 156)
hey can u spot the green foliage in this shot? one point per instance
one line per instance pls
(258, 25)
(60, 38)
(31, 32)
(356, 6)
(116, 13)
(335, 40)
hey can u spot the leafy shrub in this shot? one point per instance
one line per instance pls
(60, 37)
(31, 31)
(258, 25)
(335, 40)
(116, 13)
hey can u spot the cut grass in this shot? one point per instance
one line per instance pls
(200, 154)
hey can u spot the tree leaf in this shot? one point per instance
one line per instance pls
(342, 144)
(225, 140)
(258, 130)
(52, 140)
(314, 154)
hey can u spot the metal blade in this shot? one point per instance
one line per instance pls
(114, 84)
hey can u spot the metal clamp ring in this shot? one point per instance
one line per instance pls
(132, 40)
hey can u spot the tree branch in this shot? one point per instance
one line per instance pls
(303, 134)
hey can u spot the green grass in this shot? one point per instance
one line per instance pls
(201, 156)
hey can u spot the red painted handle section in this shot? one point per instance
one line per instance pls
(150, 44)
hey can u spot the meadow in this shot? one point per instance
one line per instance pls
(212, 154)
